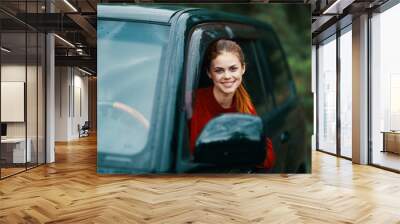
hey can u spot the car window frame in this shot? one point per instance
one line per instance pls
(153, 142)
(191, 77)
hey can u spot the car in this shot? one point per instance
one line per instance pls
(150, 63)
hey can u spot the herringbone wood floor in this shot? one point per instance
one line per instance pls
(70, 191)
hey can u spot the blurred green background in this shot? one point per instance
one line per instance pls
(292, 23)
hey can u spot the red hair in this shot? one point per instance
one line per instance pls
(242, 97)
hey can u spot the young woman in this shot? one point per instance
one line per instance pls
(226, 66)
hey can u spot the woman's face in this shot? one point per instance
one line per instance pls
(226, 71)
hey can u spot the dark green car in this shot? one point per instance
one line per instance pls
(150, 62)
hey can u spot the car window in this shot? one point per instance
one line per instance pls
(254, 79)
(257, 79)
(275, 63)
(196, 77)
(128, 68)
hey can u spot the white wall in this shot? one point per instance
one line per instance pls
(71, 87)
(12, 73)
(33, 126)
(80, 105)
(62, 81)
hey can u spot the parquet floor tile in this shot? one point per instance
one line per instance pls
(70, 191)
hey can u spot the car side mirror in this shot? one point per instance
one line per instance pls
(231, 139)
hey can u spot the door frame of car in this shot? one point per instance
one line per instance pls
(196, 46)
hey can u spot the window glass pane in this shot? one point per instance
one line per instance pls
(327, 96)
(41, 97)
(31, 100)
(252, 78)
(345, 94)
(385, 88)
(32, 7)
(129, 56)
(14, 153)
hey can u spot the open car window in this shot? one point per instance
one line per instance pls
(196, 76)
(255, 80)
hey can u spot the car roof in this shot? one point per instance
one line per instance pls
(163, 13)
(143, 12)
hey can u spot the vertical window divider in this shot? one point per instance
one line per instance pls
(37, 90)
(69, 93)
(338, 99)
(316, 97)
(73, 91)
(369, 88)
(26, 86)
(60, 91)
(45, 90)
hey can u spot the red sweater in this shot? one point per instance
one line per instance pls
(206, 107)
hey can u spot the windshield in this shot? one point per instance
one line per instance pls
(128, 61)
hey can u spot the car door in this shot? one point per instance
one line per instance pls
(199, 39)
(287, 119)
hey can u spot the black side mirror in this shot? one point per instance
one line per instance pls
(231, 140)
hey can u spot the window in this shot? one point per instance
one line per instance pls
(327, 95)
(22, 76)
(196, 77)
(253, 78)
(126, 62)
(345, 93)
(385, 88)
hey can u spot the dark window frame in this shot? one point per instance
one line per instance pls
(25, 30)
(333, 37)
(191, 80)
